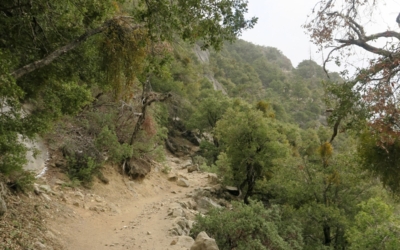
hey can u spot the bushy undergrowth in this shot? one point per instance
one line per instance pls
(101, 134)
(249, 227)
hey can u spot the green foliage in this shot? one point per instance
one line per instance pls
(324, 187)
(249, 227)
(209, 111)
(252, 144)
(196, 20)
(21, 181)
(82, 168)
(376, 226)
(107, 142)
(381, 159)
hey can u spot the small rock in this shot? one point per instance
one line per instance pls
(182, 182)
(183, 241)
(39, 245)
(45, 188)
(46, 197)
(148, 233)
(193, 168)
(79, 194)
(60, 182)
(172, 177)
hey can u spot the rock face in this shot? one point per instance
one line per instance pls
(204, 242)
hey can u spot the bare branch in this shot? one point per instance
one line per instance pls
(363, 44)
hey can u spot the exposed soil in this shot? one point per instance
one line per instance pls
(123, 214)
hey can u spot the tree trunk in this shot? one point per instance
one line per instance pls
(250, 182)
(148, 99)
(327, 235)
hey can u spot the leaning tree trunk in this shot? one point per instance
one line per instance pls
(147, 99)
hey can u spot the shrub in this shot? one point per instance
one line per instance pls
(249, 227)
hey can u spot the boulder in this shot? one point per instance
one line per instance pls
(137, 168)
(204, 204)
(204, 242)
(172, 177)
(182, 182)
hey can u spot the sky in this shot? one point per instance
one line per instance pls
(279, 26)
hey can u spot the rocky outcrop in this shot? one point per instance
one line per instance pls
(204, 242)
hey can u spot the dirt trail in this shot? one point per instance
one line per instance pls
(137, 217)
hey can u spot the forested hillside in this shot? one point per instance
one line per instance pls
(115, 82)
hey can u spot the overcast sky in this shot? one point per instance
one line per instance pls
(279, 25)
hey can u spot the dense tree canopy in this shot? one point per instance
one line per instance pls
(54, 55)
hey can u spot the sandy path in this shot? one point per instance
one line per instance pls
(140, 219)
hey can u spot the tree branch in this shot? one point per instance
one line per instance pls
(363, 44)
(72, 45)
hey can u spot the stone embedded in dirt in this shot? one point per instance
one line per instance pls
(213, 178)
(45, 188)
(113, 208)
(172, 177)
(79, 194)
(175, 210)
(97, 208)
(204, 204)
(180, 227)
(38, 245)
(183, 241)
(99, 199)
(148, 233)
(176, 160)
(204, 242)
(59, 182)
(3, 207)
(193, 168)
(182, 182)
(181, 176)
(190, 204)
(46, 197)
(76, 204)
